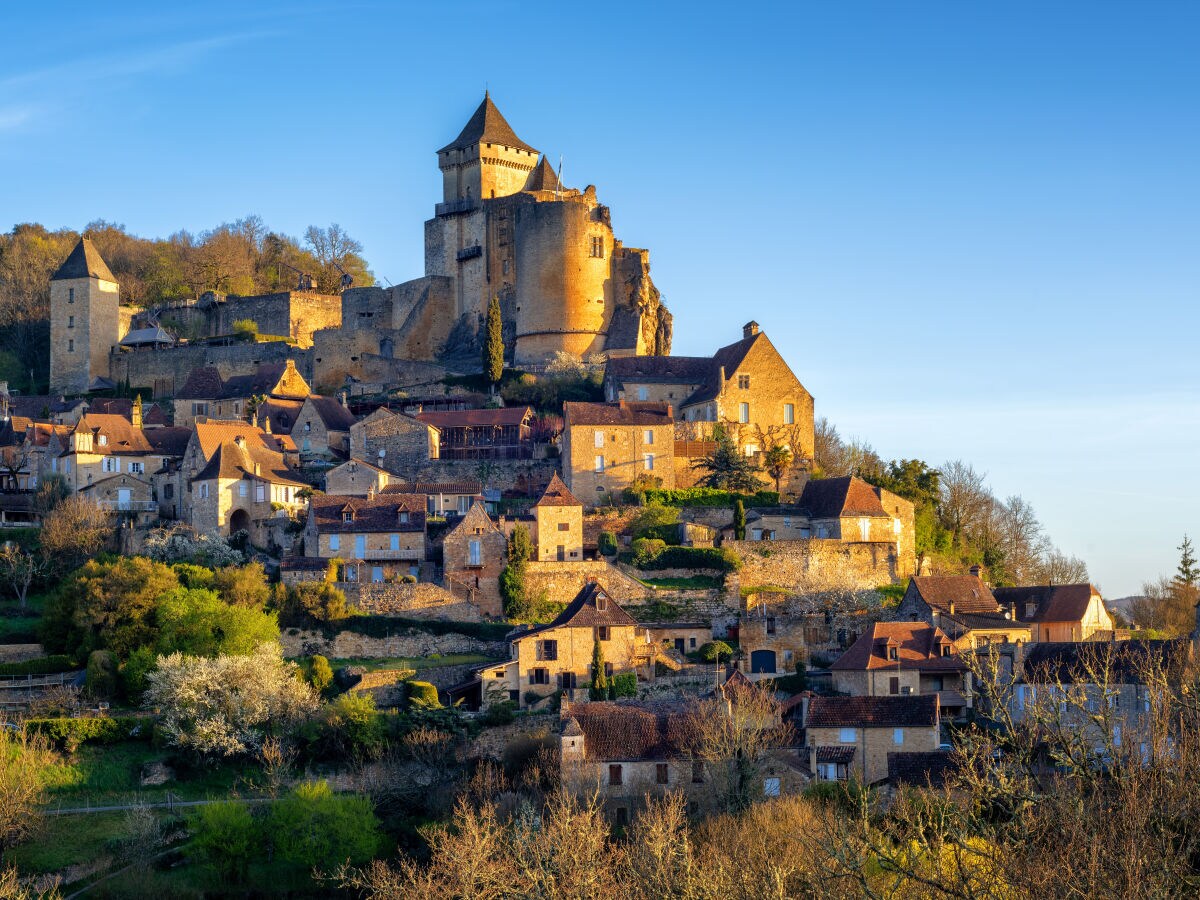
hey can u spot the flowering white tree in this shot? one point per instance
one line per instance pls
(227, 705)
(180, 543)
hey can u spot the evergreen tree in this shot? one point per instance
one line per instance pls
(778, 460)
(1188, 573)
(493, 344)
(599, 686)
(512, 578)
(728, 468)
(739, 520)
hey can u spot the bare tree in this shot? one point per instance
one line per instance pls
(75, 530)
(22, 758)
(965, 500)
(19, 569)
(1058, 568)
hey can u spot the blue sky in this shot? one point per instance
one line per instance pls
(972, 229)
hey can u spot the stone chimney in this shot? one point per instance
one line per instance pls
(750, 329)
(267, 423)
(370, 492)
(976, 570)
(135, 414)
(240, 441)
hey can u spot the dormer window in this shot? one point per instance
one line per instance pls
(403, 517)
(1030, 609)
(601, 603)
(103, 439)
(945, 649)
(308, 426)
(893, 653)
(348, 515)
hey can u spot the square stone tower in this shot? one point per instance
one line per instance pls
(84, 320)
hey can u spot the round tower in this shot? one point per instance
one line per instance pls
(563, 285)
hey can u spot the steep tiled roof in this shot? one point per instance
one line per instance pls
(592, 606)
(832, 498)
(459, 418)
(624, 732)
(487, 126)
(83, 262)
(623, 413)
(281, 412)
(968, 593)
(728, 357)
(203, 383)
(380, 513)
(1055, 603)
(141, 336)
(918, 646)
(928, 768)
(543, 177)
(334, 416)
(37, 406)
(249, 460)
(1124, 662)
(214, 432)
(121, 436)
(152, 413)
(263, 381)
(914, 711)
(694, 370)
(557, 494)
(169, 440)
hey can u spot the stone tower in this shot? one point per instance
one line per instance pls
(84, 320)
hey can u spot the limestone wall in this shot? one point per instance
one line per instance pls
(410, 644)
(164, 371)
(812, 565)
(492, 742)
(563, 580)
(415, 601)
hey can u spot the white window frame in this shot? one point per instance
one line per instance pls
(475, 553)
(260, 492)
(598, 440)
(599, 470)
(789, 414)
(648, 461)
(111, 464)
(648, 436)
(744, 413)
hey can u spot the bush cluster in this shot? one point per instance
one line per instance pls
(383, 626)
(70, 733)
(689, 558)
(699, 496)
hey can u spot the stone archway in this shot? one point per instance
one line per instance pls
(239, 520)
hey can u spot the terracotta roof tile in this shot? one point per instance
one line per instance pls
(334, 416)
(843, 755)
(1055, 603)
(1124, 661)
(832, 498)
(592, 606)
(378, 514)
(625, 732)
(465, 486)
(203, 383)
(247, 460)
(119, 433)
(926, 768)
(914, 711)
(918, 646)
(623, 413)
(968, 593)
(462, 418)
(557, 494)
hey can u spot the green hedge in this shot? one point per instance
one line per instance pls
(422, 694)
(45, 665)
(73, 732)
(668, 534)
(710, 497)
(694, 558)
(624, 684)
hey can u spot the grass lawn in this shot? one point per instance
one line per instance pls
(695, 583)
(419, 663)
(101, 776)
(66, 841)
(19, 626)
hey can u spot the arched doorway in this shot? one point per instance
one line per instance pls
(762, 661)
(239, 521)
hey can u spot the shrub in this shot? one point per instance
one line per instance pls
(653, 519)
(500, 713)
(607, 543)
(137, 667)
(245, 329)
(314, 828)
(720, 559)
(646, 551)
(699, 496)
(224, 837)
(715, 651)
(45, 665)
(357, 725)
(385, 626)
(422, 695)
(67, 734)
(320, 674)
(625, 684)
(102, 675)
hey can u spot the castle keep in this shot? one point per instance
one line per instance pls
(505, 227)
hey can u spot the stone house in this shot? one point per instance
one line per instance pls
(101, 446)
(746, 385)
(447, 499)
(473, 555)
(1099, 687)
(964, 607)
(378, 538)
(41, 407)
(322, 427)
(773, 640)
(174, 482)
(358, 478)
(559, 528)
(205, 395)
(852, 736)
(893, 659)
(394, 441)
(504, 433)
(625, 752)
(682, 637)
(1060, 612)
(607, 446)
(243, 485)
(558, 656)
(148, 415)
(126, 495)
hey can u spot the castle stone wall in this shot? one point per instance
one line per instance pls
(813, 565)
(164, 371)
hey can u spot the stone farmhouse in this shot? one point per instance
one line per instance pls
(558, 656)
(964, 608)
(559, 524)
(852, 736)
(896, 659)
(376, 538)
(474, 553)
(243, 485)
(206, 395)
(607, 447)
(1061, 612)
(746, 386)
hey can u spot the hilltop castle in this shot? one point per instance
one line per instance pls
(505, 227)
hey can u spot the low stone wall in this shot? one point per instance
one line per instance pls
(351, 645)
(813, 565)
(563, 580)
(492, 742)
(15, 653)
(416, 601)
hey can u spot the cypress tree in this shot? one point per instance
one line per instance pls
(739, 520)
(493, 344)
(599, 688)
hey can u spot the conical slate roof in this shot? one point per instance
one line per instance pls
(84, 262)
(557, 494)
(542, 178)
(487, 126)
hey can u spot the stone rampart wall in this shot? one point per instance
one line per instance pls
(416, 601)
(814, 565)
(492, 742)
(350, 645)
(164, 371)
(563, 580)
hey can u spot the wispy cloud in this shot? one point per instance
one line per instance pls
(13, 118)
